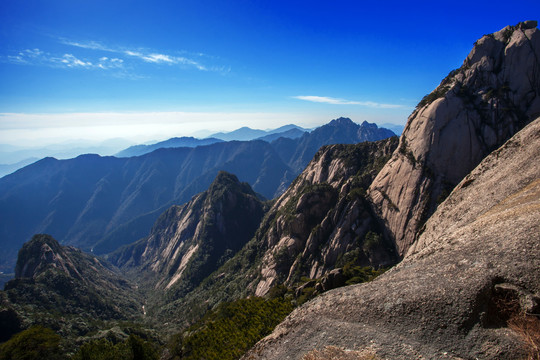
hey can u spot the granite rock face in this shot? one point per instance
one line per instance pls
(323, 217)
(480, 249)
(474, 110)
(41, 253)
(188, 242)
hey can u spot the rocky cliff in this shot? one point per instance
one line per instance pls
(189, 242)
(319, 224)
(322, 220)
(468, 289)
(474, 110)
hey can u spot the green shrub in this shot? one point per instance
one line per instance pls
(360, 274)
(228, 331)
(36, 342)
(371, 241)
(133, 348)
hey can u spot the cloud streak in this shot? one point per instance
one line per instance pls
(141, 54)
(101, 57)
(337, 101)
(67, 60)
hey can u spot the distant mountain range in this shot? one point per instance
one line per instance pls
(100, 203)
(246, 133)
(12, 154)
(242, 134)
(6, 169)
(137, 150)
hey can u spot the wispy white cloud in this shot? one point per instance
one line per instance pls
(145, 55)
(158, 58)
(326, 100)
(116, 59)
(337, 101)
(92, 45)
(67, 60)
(165, 59)
(71, 61)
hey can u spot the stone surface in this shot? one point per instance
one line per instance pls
(472, 112)
(441, 301)
(322, 216)
(188, 242)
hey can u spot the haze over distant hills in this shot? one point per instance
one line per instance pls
(246, 133)
(242, 134)
(101, 203)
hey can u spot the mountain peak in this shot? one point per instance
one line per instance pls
(188, 242)
(473, 111)
(224, 177)
(342, 121)
(40, 253)
(227, 182)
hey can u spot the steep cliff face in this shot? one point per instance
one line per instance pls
(472, 112)
(188, 242)
(322, 220)
(462, 290)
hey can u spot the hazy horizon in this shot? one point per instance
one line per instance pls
(96, 127)
(148, 72)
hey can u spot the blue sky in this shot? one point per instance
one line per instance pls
(155, 69)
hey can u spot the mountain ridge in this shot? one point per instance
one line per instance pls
(137, 150)
(192, 240)
(90, 199)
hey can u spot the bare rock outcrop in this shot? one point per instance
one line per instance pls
(474, 110)
(41, 253)
(452, 296)
(188, 242)
(324, 216)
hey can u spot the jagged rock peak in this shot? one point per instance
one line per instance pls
(474, 110)
(228, 181)
(40, 253)
(528, 24)
(190, 241)
(322, 217)
(341, 121)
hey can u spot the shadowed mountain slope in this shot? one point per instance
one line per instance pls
(102, 203)
(82, 200)
(189, 242)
